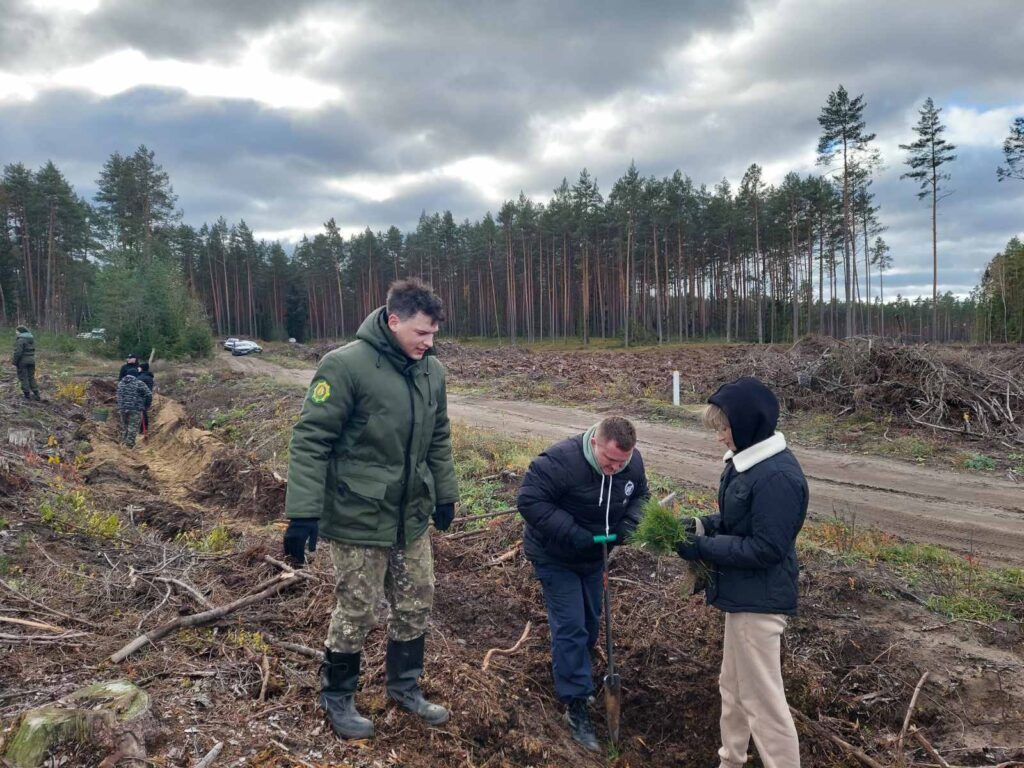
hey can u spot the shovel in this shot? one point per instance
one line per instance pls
(612, 681)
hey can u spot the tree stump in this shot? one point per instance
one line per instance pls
(115, 716)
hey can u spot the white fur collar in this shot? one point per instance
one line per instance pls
(757, 453)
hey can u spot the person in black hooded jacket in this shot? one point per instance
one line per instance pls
(750, 546)
(130, 365)
(146, 377)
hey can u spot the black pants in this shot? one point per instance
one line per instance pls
(574, 616)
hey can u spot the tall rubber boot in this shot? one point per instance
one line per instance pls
(339, 677)
(404, 666)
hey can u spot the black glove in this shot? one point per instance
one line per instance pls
(582, 538)
(300, 530)
(443, 516)
(689, 549)
(622, 534)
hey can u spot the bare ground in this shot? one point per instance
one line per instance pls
(982, 515)
(852, 658)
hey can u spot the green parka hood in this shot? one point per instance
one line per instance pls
(375, 332)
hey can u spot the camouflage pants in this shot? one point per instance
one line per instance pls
(27, 378)
(364, 576)
(130, 421)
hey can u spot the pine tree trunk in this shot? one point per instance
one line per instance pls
(935, 258)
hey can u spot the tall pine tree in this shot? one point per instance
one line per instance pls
(926, 156)
(1013, 152)
(844, 138)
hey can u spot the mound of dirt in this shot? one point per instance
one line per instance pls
(235, 480)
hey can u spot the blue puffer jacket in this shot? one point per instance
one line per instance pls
(562, 496)
(762, 501)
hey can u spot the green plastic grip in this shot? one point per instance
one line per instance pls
(603, 539)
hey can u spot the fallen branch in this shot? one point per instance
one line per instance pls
(188, 588)
(906, 719)
(507, 652)
(928, 747)
(7, 638)
(282, 582)
(465, 534)
(33, 624)
(302, 650)
(485, 516)
(265, 669)
(291, 754)
(47, 608)
(302, 574)
(211, 756)
(848, 748)
(503, 557)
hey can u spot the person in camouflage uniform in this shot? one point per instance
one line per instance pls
(370, 463)
(133, 397)
(24, 359)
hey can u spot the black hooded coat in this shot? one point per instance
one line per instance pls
(762, 501)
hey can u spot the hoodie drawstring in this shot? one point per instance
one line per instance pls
(608, 503)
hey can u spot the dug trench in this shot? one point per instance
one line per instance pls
(852, 657)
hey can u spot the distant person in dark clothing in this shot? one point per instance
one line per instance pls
(146, 377)
(24, 359)
(133, 398)
(131, 365)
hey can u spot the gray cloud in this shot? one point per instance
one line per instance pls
(705, 87)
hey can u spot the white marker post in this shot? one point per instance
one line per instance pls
(675, 388)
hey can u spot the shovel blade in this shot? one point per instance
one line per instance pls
(613, 705)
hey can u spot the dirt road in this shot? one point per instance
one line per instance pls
(964, 512)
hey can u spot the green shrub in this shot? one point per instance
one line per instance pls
(978, 462)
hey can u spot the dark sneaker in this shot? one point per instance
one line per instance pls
(580, 725)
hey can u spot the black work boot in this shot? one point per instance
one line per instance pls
(36, 397)
(404, 665)
(582, 729)
(339, 676)
(26, 395)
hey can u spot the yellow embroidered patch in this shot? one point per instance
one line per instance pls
(321, 391)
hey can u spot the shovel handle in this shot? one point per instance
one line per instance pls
(602, 539)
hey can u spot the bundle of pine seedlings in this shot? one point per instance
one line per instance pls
(660, 530)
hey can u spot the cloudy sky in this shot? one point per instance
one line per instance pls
(286, 114)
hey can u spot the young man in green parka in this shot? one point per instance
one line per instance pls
(370, 463)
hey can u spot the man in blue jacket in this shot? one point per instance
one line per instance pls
(751, 548)
(577, 489)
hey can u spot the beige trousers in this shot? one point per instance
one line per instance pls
(753, 697)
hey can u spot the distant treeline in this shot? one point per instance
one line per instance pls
(653, 260)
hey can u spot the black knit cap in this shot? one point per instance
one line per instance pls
(752, 410)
